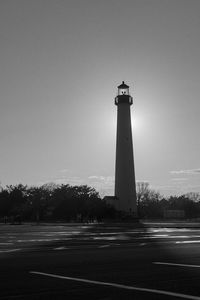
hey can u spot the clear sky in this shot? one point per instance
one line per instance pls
(61, 62)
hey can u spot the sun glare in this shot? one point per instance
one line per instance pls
(137, 123)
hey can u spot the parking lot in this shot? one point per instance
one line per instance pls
(99, 261)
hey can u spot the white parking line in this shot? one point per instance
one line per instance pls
(9, 250)
(120, 286)
(188, 242)
(178, 265)
(61, 248)
(104, 246)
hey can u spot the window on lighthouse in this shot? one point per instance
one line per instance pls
(123, 91)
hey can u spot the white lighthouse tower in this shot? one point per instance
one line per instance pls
(125, 187)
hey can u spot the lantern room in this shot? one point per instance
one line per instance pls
(123, 89)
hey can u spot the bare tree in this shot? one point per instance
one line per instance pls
(142, 188)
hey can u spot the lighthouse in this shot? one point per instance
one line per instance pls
(125, 187)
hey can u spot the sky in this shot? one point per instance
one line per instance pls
(61, 62)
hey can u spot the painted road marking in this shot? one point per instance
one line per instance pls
(9, 250)
(120, 286)
(187, 242)
(104, 246)
(178, 265)
(61, 248)
(142, 244)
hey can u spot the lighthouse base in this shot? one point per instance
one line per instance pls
(120, 215)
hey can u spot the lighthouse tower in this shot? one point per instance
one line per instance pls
(125, 188)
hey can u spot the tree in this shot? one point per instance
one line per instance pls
(183, 202)
(72, 202)
(142, 188)
(17, 197)
(148, 201)
(5, 203)
(38, 199)
(193, 196)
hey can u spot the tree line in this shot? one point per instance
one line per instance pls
(153, 205)
(51, 202)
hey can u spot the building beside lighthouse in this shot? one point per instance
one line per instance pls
(125, 186)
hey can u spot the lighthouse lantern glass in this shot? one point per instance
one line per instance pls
(123, 91)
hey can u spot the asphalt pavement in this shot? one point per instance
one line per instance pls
(100, 261)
